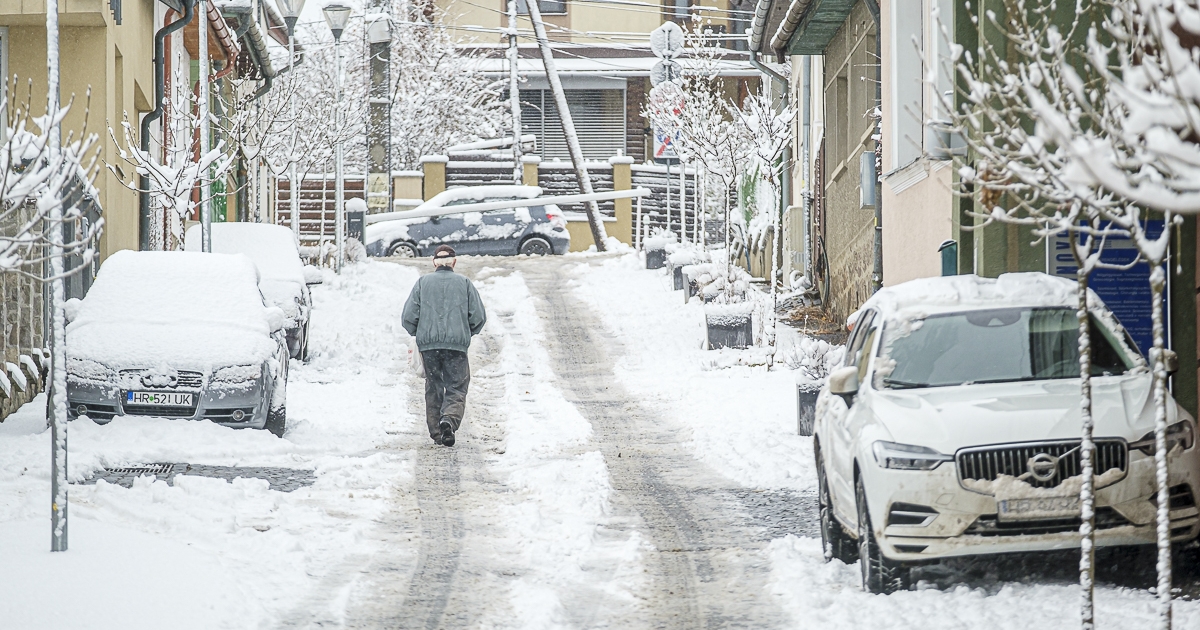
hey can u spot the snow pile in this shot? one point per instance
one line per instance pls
(742, 419)
(273, 250)
(202, 311)
(819, 595)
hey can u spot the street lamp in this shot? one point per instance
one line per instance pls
(291, 14)
(336, 16)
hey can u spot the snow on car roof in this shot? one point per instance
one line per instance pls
(468, 194)
(271, 247)
(965, 292)
(181, 308)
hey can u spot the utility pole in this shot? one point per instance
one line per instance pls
(568, 125)
(379, 109)
(205, 205)
(58, 348)
(336, 16)
(514, 94)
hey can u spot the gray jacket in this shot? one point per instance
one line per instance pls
(443, 311)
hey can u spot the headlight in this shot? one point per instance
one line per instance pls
(907, 456)
(237, 374)
(1180, 433)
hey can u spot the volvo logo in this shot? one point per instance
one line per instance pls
(1043, 467)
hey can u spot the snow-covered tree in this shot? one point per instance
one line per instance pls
(172, 179)
(1082, 118)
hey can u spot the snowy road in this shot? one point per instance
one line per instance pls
(609, 474)
(666, 543)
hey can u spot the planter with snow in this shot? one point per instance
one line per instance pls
(656, 258)
(729, 325)
(679, 260)
(806, 406)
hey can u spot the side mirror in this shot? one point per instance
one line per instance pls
(844, 382)
(71, 309)
(312, 275)
(276, 318)
(1170, 360)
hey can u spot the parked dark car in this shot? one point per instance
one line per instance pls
(534, 230)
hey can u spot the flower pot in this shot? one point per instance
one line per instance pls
(728, 326)
(806, 407)
(656, 258)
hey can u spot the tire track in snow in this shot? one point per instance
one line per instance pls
(707, 569)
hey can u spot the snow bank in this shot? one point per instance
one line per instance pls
(273, 250)
(819, 595)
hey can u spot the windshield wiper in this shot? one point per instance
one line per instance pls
(895, 384)
(1019, 379)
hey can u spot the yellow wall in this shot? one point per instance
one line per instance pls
(89, 46)
(606, 23)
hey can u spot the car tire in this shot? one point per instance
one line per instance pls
(535, 246)
(277, 421)
(835, 540)
(402, 249)
(879, 574)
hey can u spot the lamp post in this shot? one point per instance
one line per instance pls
(336, 16)
(291, 14)
(205, 202)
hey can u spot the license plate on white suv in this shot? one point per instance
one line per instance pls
(1038, 508)
(160, 399)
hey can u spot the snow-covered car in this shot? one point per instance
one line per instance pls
(954, 429)
(534, 230)
(177, 335)
(283, 278)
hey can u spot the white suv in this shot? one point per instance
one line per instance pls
(953, 429)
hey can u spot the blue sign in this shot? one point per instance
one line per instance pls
(1125, 292)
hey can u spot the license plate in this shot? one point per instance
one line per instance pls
(1038, 508)
(161, 399)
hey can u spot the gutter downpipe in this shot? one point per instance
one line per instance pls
(785, 186)
(155, 114)
(877, 275)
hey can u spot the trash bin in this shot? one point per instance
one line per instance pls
(806, 407)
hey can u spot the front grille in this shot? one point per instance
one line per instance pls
(989, 525)
(989, 463)
(184, 380)
(161, 411)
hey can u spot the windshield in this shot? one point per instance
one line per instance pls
(995, 346)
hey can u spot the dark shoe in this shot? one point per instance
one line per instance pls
(447, 433)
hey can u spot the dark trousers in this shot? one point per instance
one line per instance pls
(447, 375)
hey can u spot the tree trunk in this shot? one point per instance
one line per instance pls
(1157, 285)
(1087, 498)
(568, 125)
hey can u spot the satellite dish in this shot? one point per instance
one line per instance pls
(665, 70)
(666, 41)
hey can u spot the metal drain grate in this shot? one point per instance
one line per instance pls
(147, 469)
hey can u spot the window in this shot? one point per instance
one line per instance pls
(997, 346)
(676, 11)
(547, 7)
(908, 107)
(599, 117)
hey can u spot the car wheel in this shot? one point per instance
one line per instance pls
(536, 246)
(277, 421)
(401, 249)
(836, 542)
(879, 574)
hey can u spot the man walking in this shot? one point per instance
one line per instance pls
(443, 312)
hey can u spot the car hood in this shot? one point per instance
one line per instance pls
(196, 346)
(950, 418)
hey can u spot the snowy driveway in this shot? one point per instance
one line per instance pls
(604, 478)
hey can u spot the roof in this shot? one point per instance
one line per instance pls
(798, 27)
(965, 292)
